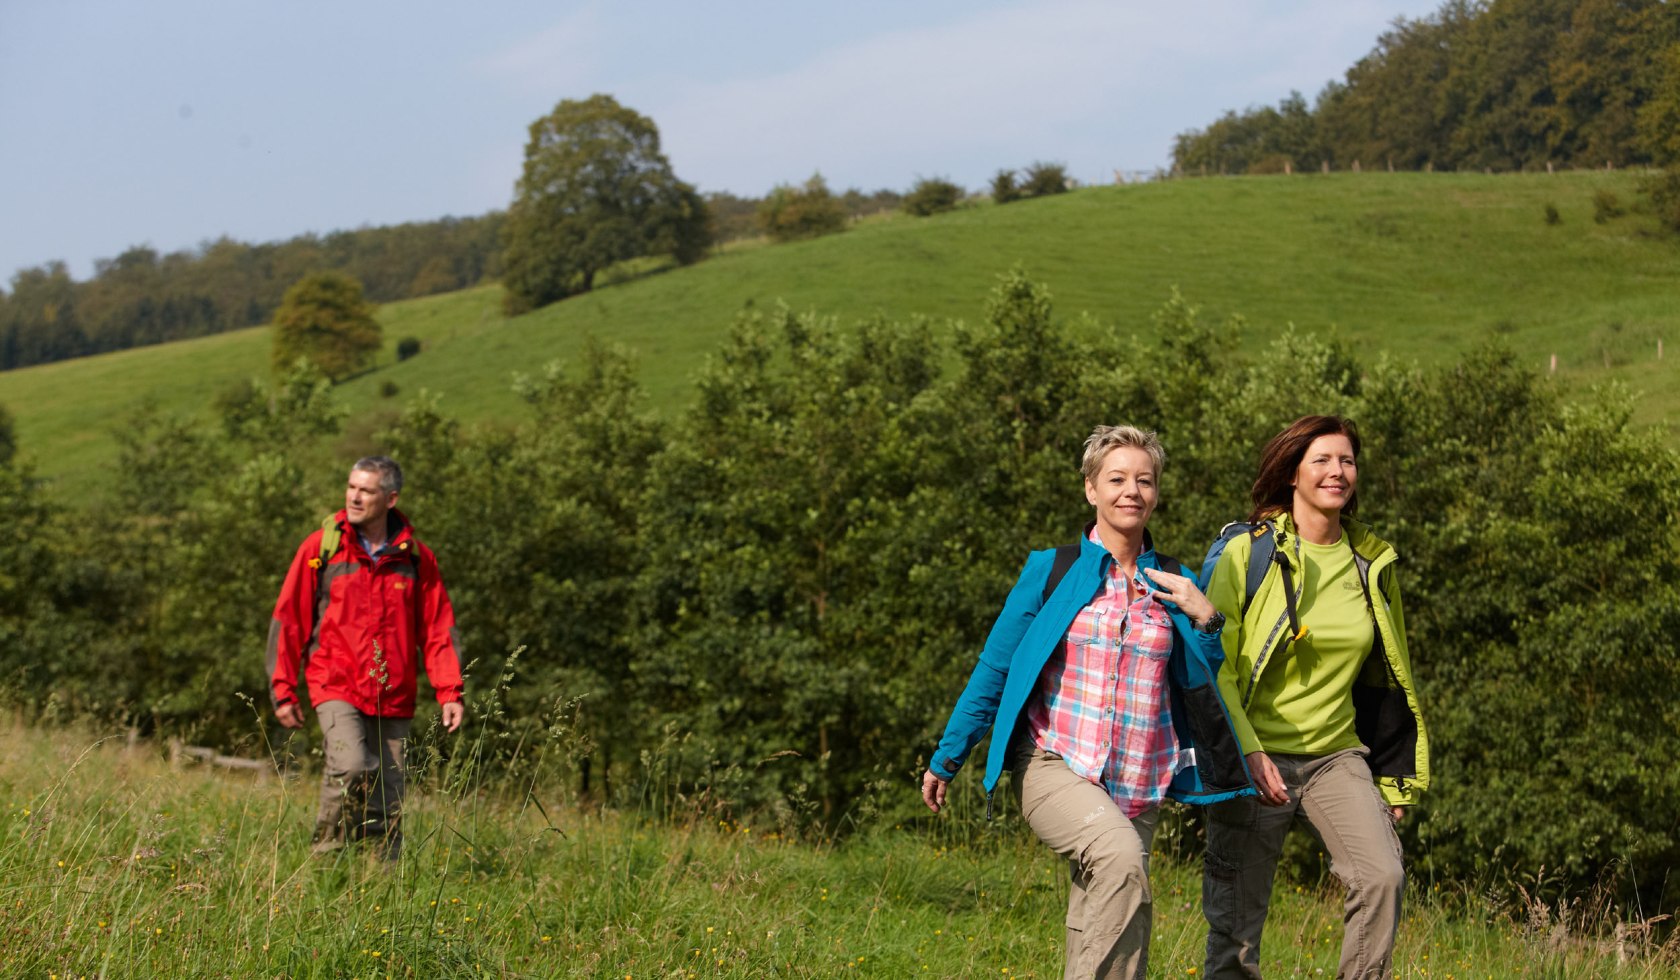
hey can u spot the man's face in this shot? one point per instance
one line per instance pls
(365, 502)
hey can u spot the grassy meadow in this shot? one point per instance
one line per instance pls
(1419, 266)
(113, 862)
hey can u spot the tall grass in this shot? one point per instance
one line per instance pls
(114, 862)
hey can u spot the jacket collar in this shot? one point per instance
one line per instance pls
(399, 534)
(1089, 548)
(1359, 534)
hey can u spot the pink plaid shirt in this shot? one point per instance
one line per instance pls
(1102, 702)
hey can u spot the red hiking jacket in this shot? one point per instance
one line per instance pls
(359, 629)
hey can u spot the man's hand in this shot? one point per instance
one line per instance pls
(289, 715)
(933, 791)
(453, 714)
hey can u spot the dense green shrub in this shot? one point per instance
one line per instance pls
(932, 195)
(812, 210)
(771, 602)
(1043, 179)
(1663, 190)
(407, 348)
(1607, 206)
(1004, 187)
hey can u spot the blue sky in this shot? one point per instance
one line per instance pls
(172, 122)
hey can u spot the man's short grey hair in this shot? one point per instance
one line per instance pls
(1107, 438)
(390, 474)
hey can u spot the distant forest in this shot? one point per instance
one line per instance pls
(142, 297)
(1504, 85)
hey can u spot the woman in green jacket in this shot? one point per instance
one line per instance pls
(1318, 677)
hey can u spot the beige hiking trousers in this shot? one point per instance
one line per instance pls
(1108, 862)
(1335, 796)
(362, 785)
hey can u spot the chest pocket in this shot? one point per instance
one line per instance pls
(1151, 633)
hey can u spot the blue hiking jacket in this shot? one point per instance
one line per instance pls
(1030, 630)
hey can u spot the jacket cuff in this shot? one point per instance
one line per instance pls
(944, 768)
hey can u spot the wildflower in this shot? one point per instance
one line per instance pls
(547, 938)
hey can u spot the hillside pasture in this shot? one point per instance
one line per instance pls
(1417, 266)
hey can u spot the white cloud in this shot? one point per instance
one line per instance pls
(1096, 84)
(557, 59)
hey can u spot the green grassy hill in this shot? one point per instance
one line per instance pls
(1419, 265)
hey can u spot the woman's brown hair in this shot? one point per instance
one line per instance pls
(1272, 492)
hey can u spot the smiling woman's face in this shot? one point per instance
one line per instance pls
(1328, 474)
(1124, 491)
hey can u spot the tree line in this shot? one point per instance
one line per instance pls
(595, 192)
(142, 297)
(770, 600)
(1479, 84)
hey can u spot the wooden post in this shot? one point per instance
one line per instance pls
(1554, 363)
(1356, 166)
(1288, 167)
(1326, 167)
(1659, 348)
(1548, 166)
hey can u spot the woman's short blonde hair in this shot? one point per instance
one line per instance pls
(1107, 438)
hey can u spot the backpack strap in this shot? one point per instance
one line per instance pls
(1261, 555)
(1066, 555)
(331, 537)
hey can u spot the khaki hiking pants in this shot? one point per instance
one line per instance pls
(1335, 796)
(1108, 862)
(362, 787)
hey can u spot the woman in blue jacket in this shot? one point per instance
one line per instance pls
(1098, 687)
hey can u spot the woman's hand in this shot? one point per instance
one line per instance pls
(1267, 779)
(1182, 592)
(933, 790)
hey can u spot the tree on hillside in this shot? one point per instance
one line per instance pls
(324, 320)
(595, 190)
(792, 213)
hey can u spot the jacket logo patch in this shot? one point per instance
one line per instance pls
(399, 584)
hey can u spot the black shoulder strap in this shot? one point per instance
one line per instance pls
(1066, 555)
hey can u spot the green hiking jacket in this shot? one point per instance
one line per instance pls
(1386, 710)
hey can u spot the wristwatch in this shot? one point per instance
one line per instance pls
(1214, 623)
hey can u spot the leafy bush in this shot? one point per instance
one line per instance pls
(1663, 190)
(1607, 205)
(932, 195)
(1004, 187)
(1044, 179)
(793, 213)
(852, 506)
(1552, 216)
(407, 348)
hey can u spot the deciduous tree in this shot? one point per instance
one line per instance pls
(595, 190)
(324, 320)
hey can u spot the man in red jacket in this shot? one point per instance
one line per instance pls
(362, 609)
